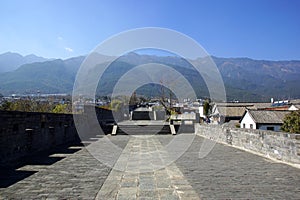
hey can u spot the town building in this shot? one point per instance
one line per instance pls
(294, 107)
(225, 112)
(263, 119)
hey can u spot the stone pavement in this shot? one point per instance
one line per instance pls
(140, 173)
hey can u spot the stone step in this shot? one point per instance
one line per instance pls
(143, 130)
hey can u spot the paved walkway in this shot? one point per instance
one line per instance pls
(143, 174)
(226, 173)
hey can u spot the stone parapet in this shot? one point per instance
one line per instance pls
(276, 145)
(24, 133)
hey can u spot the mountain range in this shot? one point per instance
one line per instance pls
(244, 79)
(10, 61)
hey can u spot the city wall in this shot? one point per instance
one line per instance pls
(24, 133)
(276, 145)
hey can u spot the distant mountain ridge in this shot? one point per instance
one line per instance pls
(244, 79)
(54, 76)
(11, 61)
(279, 79)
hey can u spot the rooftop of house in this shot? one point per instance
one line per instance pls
(237, 109)
(248, 105)
(258, 106)
(230, 104)
(295, 102)
(268, 116)
(234, 111)
(297, 105)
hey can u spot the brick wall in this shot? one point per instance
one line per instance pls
(23, 133)
(277, 145)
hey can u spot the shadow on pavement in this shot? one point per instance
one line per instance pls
(11, 173)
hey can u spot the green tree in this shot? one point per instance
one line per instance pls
(291, 122)
(43, 107)
(133, 99)
(115, 105)
(206, 107)
(27, 105)
(23, 105)
(62, 108)
(6, 105)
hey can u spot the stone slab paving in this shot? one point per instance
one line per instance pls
(141, 173)
(225, 173)
(230, 173)
(77, 176)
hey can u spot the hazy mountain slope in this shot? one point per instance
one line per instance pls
(280, 79)
(245, 79)
(11, 61)
(55, 76)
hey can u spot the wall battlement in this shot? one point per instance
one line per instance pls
(277, 145)
(24, 133)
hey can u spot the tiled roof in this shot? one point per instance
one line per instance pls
(268, 116)
(254, 106)
(258, 106)
(295, 101)
(232, 111)
(234, 104)
(297, 106)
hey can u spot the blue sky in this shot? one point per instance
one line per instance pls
(258, 29)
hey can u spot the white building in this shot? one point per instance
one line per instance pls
(294, 107)
(198, 108)
(225, 112)
(263, 119)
